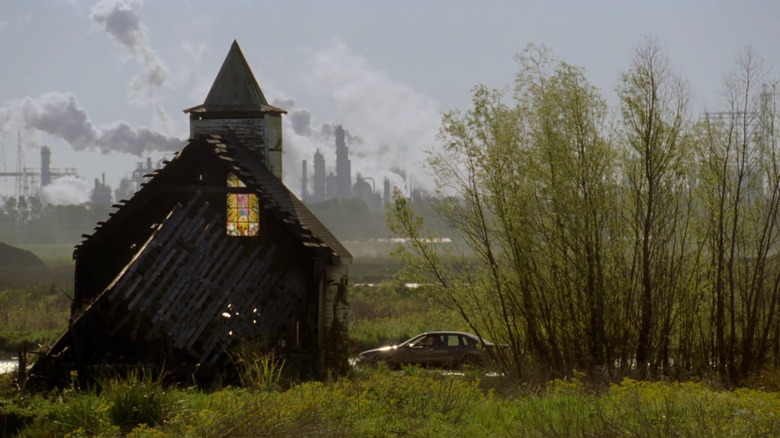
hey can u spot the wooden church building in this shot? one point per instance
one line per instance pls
(213, 253)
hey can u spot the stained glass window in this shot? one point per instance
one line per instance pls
(243, 210)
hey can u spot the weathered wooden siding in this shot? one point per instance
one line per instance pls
(251, 132)
(192, 285)
(335, 301)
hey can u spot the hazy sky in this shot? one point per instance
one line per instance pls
(104, 83)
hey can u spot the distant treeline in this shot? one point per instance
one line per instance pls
(27, 220)
(351, 219)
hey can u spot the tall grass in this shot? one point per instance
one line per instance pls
(375, 402)
(259, 370)
(32, 317)
(137, 399)
(412, 402)
(34, 307)
(389, 314)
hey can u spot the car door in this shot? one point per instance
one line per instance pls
(452, 351)
(445, 351)
(422, 351)
(470, 349)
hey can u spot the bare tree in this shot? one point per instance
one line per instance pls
(738, 149)
(576, 208)
(530, 188)
(654, 108)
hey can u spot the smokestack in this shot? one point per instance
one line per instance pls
(387, 191)
(343, 166)
(304, 182)
(320, 179)
(45, 166)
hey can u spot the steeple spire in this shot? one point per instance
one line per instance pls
(235, 88)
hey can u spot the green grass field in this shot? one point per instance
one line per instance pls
(369, 402)
(381, 403)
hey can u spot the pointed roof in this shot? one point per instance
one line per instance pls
(235, 88)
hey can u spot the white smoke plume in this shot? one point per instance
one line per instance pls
(390, 126)
(119, 18)
(60, 115)
(66, 190)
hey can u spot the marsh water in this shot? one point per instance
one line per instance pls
(6, 366)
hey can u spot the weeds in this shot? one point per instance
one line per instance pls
(377, 402)
(259, 370)
(411, 402)
(136, 400)
(31, 317)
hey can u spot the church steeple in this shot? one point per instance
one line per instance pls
(235, 88)
(236, 105)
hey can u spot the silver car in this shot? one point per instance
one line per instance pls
(436, 349)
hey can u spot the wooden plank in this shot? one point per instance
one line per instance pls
(231, 287)
(129, 277)
(183, 280)
(219, 299)
(189, 320)
(141, 297)
(210, 301)
(117, 326)
(216, 274)
(134, 265)
(168, 299)
(171, 230)
(160, 301)
(223, 254)
(172, 265)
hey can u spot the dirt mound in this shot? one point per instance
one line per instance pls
(17, 258)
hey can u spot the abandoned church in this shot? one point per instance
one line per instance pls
(212, 254)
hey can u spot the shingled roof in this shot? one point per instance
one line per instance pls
(235, 88)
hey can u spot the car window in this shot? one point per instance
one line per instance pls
(453, 341)
(427, 341)
(469, 342)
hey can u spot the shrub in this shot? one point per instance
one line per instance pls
(69, 413)
(137, 400)
(14, 418)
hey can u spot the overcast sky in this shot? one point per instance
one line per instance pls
(104, 83)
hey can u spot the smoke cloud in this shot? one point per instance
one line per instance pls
(119, 19)
(389, 125)
(66, 190)
(301, 121)
(60, 115)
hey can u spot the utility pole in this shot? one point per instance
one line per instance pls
(5, 178)
(19, 166)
